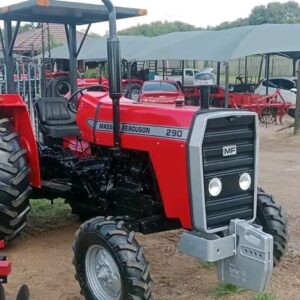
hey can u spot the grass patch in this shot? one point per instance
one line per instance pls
(206, 265)
(225, 289)
(44, 208)
(264, 296)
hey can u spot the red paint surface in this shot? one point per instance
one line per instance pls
(168, 156)
(13, 107)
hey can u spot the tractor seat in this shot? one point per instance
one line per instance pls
(56, 120)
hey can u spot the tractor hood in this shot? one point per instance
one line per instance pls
(151, 120)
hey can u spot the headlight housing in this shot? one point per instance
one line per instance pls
(245, 181)
(215, 187)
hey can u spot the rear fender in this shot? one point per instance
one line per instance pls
(13, 107)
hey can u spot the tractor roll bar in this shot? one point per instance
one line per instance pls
(114, 69)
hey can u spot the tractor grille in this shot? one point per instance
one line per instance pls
(232, 202)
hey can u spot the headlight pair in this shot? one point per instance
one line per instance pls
(215, 184)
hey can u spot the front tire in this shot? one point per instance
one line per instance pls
(14, 183)
(109, 263)
(270, 217)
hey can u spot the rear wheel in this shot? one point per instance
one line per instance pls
(14, 183)
(109, 263)
(272, 220)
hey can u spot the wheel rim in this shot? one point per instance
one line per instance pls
(103, 274)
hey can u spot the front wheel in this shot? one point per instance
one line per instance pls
(270, 216)
(109, 263)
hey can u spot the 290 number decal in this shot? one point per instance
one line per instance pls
(174, 133)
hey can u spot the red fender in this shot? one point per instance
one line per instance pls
(13, 107)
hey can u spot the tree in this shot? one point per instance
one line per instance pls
(258, 15)
(157, 28)
(275, 13)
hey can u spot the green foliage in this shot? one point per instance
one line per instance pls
(53, 42)
(264, 296)
(25, 27)
(206, 265)
(92, 73)
(273, 13)
(237, 23)
(225, 289)
(44, 208)
(157, 28)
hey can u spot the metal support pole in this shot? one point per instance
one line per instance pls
(182, 70)
(246, 70)
(205, 92)
(294, 67)
(297, 110)
(226, 84)
(267, 73)
(8, 37)
(163, 69)
(218, 74)
(260, 69)
(13, 40)
(83, 39)
(73, 58)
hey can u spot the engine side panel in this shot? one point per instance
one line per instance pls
(157, 130)
(13, 106)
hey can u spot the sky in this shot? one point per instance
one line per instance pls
(200, 13)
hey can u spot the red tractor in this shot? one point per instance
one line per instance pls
(135, 167)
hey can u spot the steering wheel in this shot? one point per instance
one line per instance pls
(73, 99)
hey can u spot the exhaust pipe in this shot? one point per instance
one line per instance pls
(114, 69)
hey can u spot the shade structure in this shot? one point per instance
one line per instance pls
(95, 49)
(224, 45)
(62, 12)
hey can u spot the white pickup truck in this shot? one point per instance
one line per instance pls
(176, 75)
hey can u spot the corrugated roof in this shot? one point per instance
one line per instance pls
(32, 39)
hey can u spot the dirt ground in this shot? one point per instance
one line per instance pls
(42, 257)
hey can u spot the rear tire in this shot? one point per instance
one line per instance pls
(14, 183)
(133, 91)
(270, 217)
(119, 260)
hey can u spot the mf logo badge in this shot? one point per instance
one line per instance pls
(229, 150)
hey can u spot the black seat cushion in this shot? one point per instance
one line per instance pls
(56, 120)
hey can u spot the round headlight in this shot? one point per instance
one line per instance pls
(245, 181)
(215, 187)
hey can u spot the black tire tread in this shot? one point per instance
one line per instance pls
(137, 269)
(14, 183)
(270, 216)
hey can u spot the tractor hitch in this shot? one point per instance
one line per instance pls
(244, 257)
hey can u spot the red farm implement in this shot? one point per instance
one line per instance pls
(269, 108)
(5, 270)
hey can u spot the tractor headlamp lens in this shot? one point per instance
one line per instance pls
(245, 181)
(215, 187)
